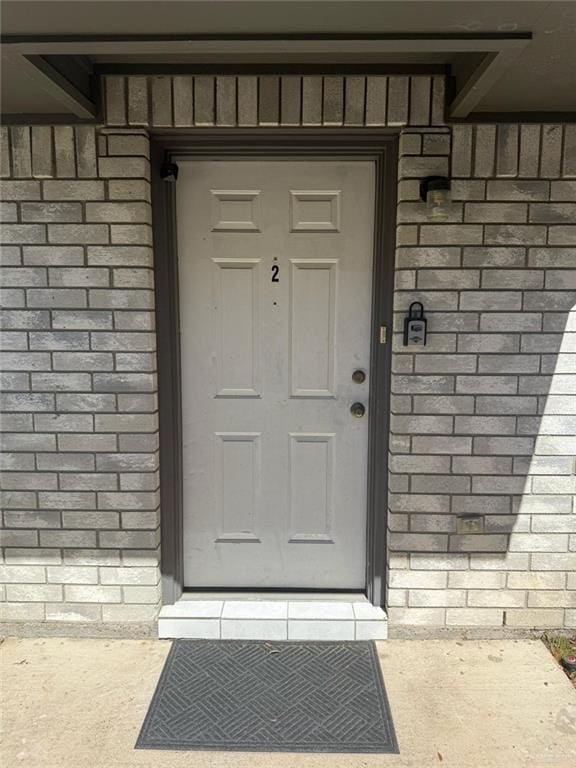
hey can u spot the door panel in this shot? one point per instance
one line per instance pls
(275, 273)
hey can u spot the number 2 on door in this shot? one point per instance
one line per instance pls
(275, 271)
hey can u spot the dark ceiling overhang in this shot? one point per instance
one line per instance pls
(67, 68)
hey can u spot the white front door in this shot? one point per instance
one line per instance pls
(275, 272)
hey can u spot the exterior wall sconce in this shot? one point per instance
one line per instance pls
(435, 192)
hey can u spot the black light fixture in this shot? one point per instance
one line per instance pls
(435, 192)
(169, 172)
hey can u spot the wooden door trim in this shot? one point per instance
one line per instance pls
(357, 143)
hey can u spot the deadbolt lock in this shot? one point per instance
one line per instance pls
(359, 376)
(357, 410)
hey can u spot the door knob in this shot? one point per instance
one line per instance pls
(359, 376)
(357, 410)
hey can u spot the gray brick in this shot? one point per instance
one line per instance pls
(57, 340)
(440, 484)
(18, 539)
(23, 233)
(496, 212)
(74, 462)
(25, 361)
(508, 363)
(82, 361)
(13, 381)
(479, 543)
(70, 574)
(517, 190)
(569, 151)
(85, 402)
(121, 299)
(120, 256)
(416, 167)
(553, 213)
(446, 363)
(63, 422)
(137, 101)
(73, 190)
(13, 189)
(376, 88)
(418, 542)
(563, 190)
(4, 151)
(85, 138)
(485, 425)
(115, 100)
(548, 561)
(67, 277)
(507, 150)
(129, 539)
(118, 212)
(161, 100)
(247, 100)
(461, 234)
(28, 442)
(440, 444)
(397, 101)
(82, 320)
(505, 405)
(50, 255)
(481, 465)
(484, 156)
(33, 593)
(524, 321)
(65, 158)
(515, 234)
(49, 212)
(86, 481)
(529, 150)
(86, 234)
(12, 297)
(182, 87)
(124, 168)
(88, 593)
(24, 319)
(22, 612)
(549, 300)
(562, 235)
(26, 401)
(61, 381)
(513, 278)
(8, 212)
(20, 141)
(68, 538)
(127, 234)
(117, 341)
(491, 300)
(124, 382)
(488, 342)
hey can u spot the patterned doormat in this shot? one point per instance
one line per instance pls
(251, 695)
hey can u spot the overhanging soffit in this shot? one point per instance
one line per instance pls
(67, 69)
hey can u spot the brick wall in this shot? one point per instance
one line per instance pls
(79, 406)
(483, 418)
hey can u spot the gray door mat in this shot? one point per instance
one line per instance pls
(258, 696)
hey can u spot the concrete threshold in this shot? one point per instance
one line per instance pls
(273, 616)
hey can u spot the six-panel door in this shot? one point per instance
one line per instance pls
(275, 272)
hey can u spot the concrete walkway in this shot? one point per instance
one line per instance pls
(470, 704)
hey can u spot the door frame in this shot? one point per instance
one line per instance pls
(357, 143)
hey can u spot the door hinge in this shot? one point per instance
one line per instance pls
(383, 334)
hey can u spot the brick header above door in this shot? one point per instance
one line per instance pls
(185, 101)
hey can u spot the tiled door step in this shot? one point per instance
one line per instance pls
(230, 618)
